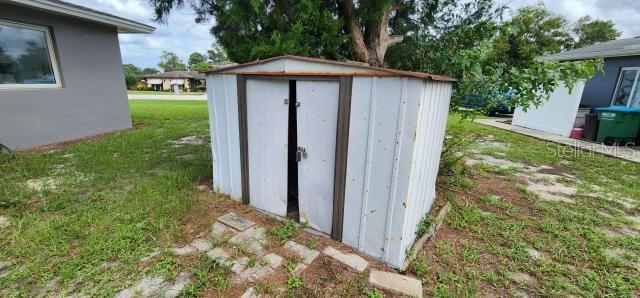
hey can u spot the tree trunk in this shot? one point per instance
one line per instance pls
(370, 46)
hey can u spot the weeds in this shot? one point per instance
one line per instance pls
(312, 244)
(251, 262)
(210, 275)
(285, 232)
(424, 224)
(294, 282)
(420, 267)
(455, 147)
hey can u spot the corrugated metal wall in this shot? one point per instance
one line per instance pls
(432, 121)
(396, 132)
(382, 162)
(225, 135)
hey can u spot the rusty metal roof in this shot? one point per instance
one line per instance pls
(386, 71)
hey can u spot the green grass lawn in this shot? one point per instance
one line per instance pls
(116, 198)
(163, 92)
(502, 239)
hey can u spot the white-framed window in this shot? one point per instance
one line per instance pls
(27, 58)
(627, 93)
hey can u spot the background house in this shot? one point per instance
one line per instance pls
(167, 81)
(60, 72)
(617, 85)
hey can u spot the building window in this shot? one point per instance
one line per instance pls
(627, 92)
(26, 57)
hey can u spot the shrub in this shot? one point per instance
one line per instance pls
(454, 150)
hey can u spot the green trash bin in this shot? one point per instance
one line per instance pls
(618, 125)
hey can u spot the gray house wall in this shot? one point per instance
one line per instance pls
(92, 99)
(598, 91)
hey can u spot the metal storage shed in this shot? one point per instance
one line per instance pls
(350, 149)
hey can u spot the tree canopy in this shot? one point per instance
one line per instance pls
(532, 32)
(196, 58)
(169, 61)
(466, 39)
(149, 70)
(589, 31)
(335, 29)
(217, 54)
(131, 75)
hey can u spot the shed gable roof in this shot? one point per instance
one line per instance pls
(298, 65)
(614, 48)
(80, 12)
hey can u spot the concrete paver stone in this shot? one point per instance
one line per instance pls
(396, 282)
(235, 221)
(352, 260)
(253, 239)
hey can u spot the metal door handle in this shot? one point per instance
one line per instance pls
(286, 101)
(300, 153)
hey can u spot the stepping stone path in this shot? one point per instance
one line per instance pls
(396, 282)
(307, 255)
(352, 260)
(254, 239)
(221, 231)
(235, 221)
(250, 293)
(220, 255)
(258, 264)
(4, 222)
(258, 271)
(201, 244)
(157, 287)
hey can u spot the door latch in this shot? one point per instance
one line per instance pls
(286, 101)
(300, 153)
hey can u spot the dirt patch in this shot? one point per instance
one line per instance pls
(556, 170)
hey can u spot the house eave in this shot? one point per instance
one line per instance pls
(57, 7)
(593, 55)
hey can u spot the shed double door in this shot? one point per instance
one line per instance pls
(267, 133)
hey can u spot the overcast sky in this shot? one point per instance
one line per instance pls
(182, 36)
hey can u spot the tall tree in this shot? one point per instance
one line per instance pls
(360, 30)
(368, 25)
(217, 54)
(532, 32)
(171, 62)
(149, 70)
(589, 31)
(130, 68)
(196, 58)
(131, 75)
(449, 32)
(202, 66)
